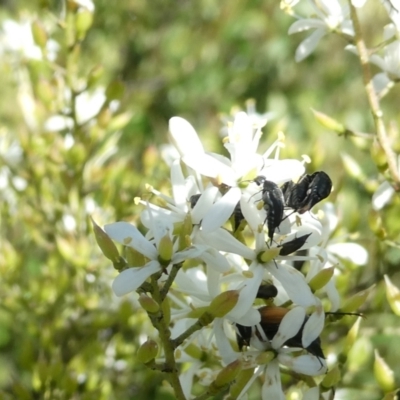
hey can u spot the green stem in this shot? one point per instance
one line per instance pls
(373, 100)
(171, 277)
(164, 332)
(203, 321)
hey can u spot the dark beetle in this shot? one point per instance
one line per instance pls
(274, 203)
(293, 245)
(310, 190)
(193, 200)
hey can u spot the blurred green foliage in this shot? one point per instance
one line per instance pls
(63, 335)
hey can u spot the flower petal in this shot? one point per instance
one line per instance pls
(382, 196)
(308, 45)
(204, 203)
(305, 24)
(130, 279)
(272, 387)
(313, 327)
(294, 284)
(248, 291)
(178, 184)
(222, 240)
(306, 364)
(289, 326)
(207, 165)
(127, 234)
(225, 349)
(350, 251)
(220, 211)
(185, 137)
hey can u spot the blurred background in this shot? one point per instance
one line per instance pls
(87, 90)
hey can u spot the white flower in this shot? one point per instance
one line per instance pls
(16, 38)
(127, 234)
(393, 9)
(382, 196)
(332, 17)
(289, 327)
(390, 65)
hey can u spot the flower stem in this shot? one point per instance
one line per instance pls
(171, 277)
(374, 101)
(203, 321)
(160, 323)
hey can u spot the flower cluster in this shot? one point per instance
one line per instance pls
(235, 230)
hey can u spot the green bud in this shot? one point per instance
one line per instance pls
(376, 224)
(165, 250)
(185, 232)
(268, 255)
(321, 279)
(223, 303)
(241, 381)
(148, 304)
(197, 312)
(329, 122)
(383, 374)
(134, 258)
(106, 245)
(352, 336)
(392, 295)
(378, 156)
(265, 357)
(39, 34)
(83, 21)
(227, 375)
(353, 168)
(194, 351)
(356, 301)
(147, 351)
(332, 378)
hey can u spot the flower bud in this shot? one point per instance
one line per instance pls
(329, 123)
(321, 279)
(378, 156)
(165, 250)
(147, 351)
(226, 375)
(39, 34)
(352, 336)
(241, 381)
(268, 255)
(148, 304)
(265, 357)
(84, 20)
(197, 312)
(383, 374)
(392, 295)
(332, 378)
(376, 224)
(106, 245)
(353, 168)
(185, 232)
(355, 302)
(223, 303)
(194, 351)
